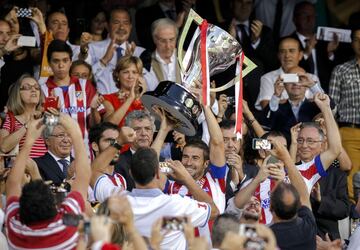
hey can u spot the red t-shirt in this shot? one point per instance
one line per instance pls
(37, 150)
(46, 234)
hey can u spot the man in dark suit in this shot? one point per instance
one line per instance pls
(55, 163)
(297, 107)
(319, 56)
(257, 43)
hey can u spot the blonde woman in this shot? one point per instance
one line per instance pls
(24, 103)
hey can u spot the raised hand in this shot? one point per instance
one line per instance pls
(179, 171)
(130, 48)
(126, 135)
(96, 101)
(294, 131)
(322, 101)
(34, 130)
(278, 87)
(256, 28)
(38, 18)
(305, 80)
(222, 104)
(109, 52)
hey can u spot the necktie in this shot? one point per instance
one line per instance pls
(119, 53)
(65, 165)
(277, 19)
(310, 61)
(245, 39)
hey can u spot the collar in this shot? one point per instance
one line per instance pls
(50, 83)
(152, 192)
(300, 103)
(132, 151)
(246, 23)
(58, 158)
(301, 37)
(158, 57)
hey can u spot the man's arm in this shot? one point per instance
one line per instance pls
(244, 195)
(182, 175)
(296, 179)
(81, 162)
(103, 160)
(334, 139)
(13, 183)
(165, 128)
(216, 144)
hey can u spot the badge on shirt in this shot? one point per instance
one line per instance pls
(79, 95)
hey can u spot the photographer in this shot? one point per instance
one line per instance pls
(31, 210)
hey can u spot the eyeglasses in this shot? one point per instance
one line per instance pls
(309, 142)
(27, 87)
(61, 136)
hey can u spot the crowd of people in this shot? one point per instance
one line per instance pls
(84, 164)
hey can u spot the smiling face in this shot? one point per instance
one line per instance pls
(128, 77)
(309, 143)
(59, 142)
(58, 25)
(30, 91)
(252, 209)
(120, 26)
(193, 161)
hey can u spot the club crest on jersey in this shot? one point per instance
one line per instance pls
(79, 95)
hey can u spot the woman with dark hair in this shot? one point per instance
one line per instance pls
(24, 104)
(128, 77)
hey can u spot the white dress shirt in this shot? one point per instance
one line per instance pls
(103, 75)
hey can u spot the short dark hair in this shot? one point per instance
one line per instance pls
(222, 224)
(58, 46)
(196, 142)
(290, 38)
(37, 203)
(272, 133)
(227, 124)
(354, 23)
(279, 207)
(117, 8)
(144, 165)
(96, 131)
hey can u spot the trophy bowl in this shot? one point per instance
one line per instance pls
(181, 106)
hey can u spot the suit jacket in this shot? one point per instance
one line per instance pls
(324, 65)
(123, 168)
(334, 204)
(144, 17)
(283, 119)
(49, 169)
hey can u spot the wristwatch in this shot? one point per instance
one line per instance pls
(115, 144)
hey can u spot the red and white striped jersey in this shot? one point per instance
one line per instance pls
(262, 193)
(214, 184)
(311, 172)
(49, 234)
(74, 100)
(106, 185)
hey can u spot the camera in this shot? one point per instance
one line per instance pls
(230, 100)
(24, 12)
(50, 122)
(253, 241)
(174, 223)
(8, 160)
(290, 78)
(258, 143)
(164, 168)
(60, 191)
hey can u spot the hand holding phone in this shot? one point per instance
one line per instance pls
(174, 223)
(26, 41)
(290, 78)
(24, 12)
(258, 143)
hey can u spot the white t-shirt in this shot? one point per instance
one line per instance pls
(106, 185)
(149, 205)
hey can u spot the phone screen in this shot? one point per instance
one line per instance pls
(258, 143)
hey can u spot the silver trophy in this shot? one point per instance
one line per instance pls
(181, 105)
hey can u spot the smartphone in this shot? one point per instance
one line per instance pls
(230, 100)
(272, 160)
(72, 220)
(253, 241)
(9, 160)
(174, 223)
(258, 143)
(24, 12)
(51, 102)
(164, 168)
(26, 41)
(290, 78)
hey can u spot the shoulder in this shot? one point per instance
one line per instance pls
(270, 75)
(341, 68)
(74, 203)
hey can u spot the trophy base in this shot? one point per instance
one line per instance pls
(181, 106)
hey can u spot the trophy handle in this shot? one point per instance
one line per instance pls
(192, 16)
(249, 67)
